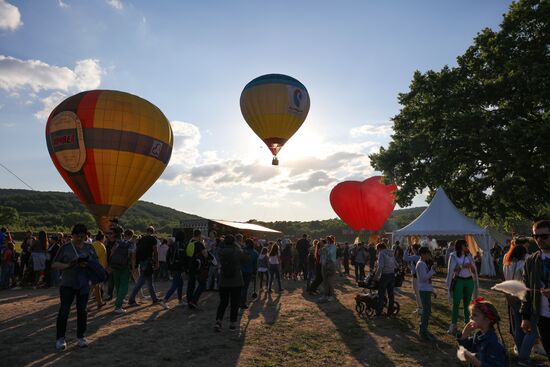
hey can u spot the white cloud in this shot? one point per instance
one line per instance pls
(48, 104)
(316, 180)
(16, 74)
(10, 17)
(62, 4)
(369, 129)
(211, 196)
(35, 76)
(117, 4)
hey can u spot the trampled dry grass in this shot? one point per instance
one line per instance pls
(288, 329)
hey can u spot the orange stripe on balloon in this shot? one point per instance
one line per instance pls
(86, 112)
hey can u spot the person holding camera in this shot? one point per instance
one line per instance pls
(70, 258)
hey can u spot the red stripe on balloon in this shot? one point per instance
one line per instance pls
(86, 114)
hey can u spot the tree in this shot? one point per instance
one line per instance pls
(8, 216)
(481, 129)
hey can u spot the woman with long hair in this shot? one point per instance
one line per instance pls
(317, 247)
(513, 268)
(462, 282)
(274, 261)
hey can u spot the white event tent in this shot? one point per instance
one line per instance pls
(442, 218)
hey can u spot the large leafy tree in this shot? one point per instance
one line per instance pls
(481, 129)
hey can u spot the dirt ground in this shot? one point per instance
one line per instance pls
(288, 329)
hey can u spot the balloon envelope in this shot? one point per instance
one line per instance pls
(363, 205)
(275, 106)
(110, 147)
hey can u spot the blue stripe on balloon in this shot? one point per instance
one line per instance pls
(275, 79)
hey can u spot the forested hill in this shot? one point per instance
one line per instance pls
(22, 209)
(58, 211)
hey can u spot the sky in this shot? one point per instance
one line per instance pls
(192, 59)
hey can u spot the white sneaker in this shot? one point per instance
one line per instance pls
(120, 310)
(182, 303)
(60, 344)
(452, 329)
(82, 342)
(516, 350)
(330, 299)
(164, 305)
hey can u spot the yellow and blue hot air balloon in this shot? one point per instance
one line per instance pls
(275, 106)
(110, 147)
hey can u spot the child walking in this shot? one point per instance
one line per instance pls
(425, 269)
(483, 348)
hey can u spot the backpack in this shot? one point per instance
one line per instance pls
(229, 263)
(177, 257)
(119, 257)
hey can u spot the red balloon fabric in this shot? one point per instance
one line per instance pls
(363, 205)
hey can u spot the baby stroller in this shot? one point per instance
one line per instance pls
(366, 302)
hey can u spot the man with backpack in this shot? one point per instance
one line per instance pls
(147, 259)
(197, 256)
(120, 261)
(176, 260)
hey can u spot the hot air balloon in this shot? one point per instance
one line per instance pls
(363, 205)
(110, 147)
(275, 106)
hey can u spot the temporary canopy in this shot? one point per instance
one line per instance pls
(442, 218)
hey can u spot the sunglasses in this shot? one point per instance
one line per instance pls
(541, 236)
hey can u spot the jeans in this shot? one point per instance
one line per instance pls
(426, 300)
(193, 294)
(163, 270)
(177, 285)
(141, 281)
(359, 271)
(274, 271)
(524, 342)
(7, 274)
(318, 279)
(67, 295)
(227, 293)
(247, 277)
(544, 332)
(55, 277)
(213, 281)
(386, 284)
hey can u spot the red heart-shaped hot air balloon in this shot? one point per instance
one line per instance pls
(363, 205)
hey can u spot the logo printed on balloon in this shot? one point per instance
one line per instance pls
(363, 205)
(67, 141)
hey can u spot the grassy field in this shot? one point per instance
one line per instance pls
(288, 329)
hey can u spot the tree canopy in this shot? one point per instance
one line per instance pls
(481, 129)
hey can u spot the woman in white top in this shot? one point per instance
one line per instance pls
(513, 265)
(462, 282)
(263, 265)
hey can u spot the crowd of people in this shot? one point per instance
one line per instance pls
(104, 264)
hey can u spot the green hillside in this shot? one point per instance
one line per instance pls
(58, 211)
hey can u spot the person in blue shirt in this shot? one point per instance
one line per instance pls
(483, 348)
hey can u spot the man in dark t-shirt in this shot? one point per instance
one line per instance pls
(147, 259)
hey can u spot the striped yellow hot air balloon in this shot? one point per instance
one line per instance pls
(274, 106)
(110, 147)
